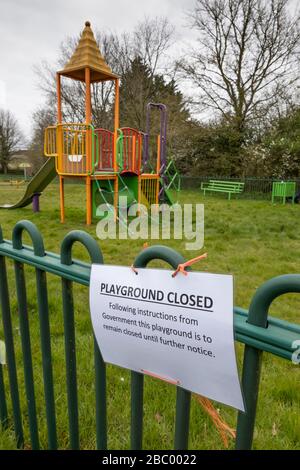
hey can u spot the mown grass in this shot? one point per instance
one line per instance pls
(253, 240)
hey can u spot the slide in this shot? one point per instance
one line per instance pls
(168, 198)
(36, 185)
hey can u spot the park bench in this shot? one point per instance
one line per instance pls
(230, 187)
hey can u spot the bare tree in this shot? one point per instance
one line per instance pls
(10, 138)
(73, 91)
(149, 41)
(246, 58)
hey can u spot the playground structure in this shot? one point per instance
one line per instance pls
(110, 163)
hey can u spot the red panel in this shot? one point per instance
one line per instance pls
(132, 150)
(105, 150)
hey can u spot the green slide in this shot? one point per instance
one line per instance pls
(36, 185)
(168, 198)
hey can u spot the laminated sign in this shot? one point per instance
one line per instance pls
(179, 329)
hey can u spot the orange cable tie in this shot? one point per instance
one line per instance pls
(181, 267)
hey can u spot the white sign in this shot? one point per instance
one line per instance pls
(179, 329)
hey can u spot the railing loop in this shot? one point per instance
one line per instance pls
(267, 293)
(70, 346)
(86, 240)
(33, 232)
(258, 315)
(158, 252)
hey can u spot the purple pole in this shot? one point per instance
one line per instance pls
(163, 137)
(36, 202)
(163, 133)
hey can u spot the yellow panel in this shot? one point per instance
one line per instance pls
(50, 142)
(149, 190)
(72, 145)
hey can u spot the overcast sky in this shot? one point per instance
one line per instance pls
(32, 30)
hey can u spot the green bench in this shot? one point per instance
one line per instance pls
(230, 187)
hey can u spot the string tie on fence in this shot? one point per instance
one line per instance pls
(181, 267)
(226, 432)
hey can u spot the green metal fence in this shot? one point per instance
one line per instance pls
(256, 329)
(255, 187)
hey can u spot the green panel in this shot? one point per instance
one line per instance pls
(131, 183)
(173, 177)
(103, 192)
(168, 196)
(283, 189)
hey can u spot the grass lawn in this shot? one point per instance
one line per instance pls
(253, 240)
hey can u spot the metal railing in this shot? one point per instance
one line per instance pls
(172, 177)
(256, 329)
(73, 146)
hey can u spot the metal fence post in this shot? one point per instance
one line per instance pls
(43, 310)
(70, 346)
(27, 357)
(258, 315)
(10, 352)
(183, 398)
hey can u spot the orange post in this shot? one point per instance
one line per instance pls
(157, 191)
(88, 104)
(140, 148)
(59, 150)
(117, 122)
(88, 118)
(62, 199)
(58, 88)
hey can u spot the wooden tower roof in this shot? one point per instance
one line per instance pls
(87, 54)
